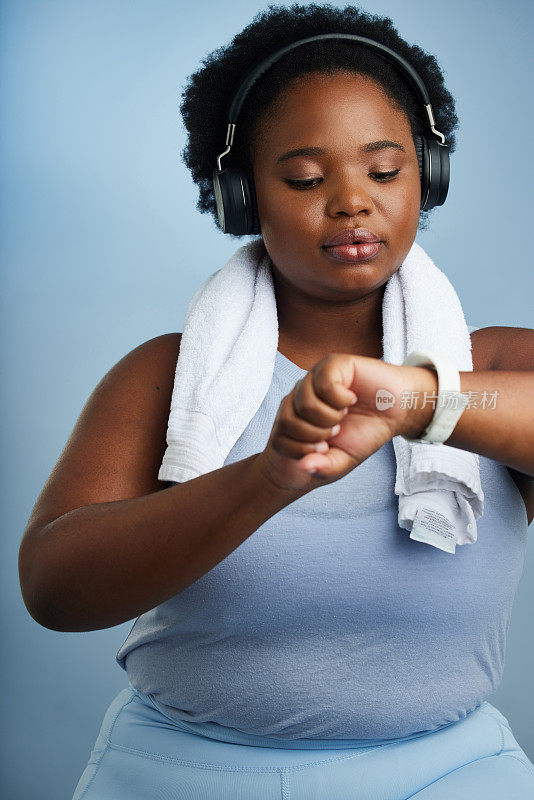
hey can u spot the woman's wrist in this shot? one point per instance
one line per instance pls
(419, 399)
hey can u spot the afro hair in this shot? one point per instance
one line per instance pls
(209, 91)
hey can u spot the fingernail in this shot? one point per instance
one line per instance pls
(345, 412)
(311, 471)
(335, 430)
(322, 447)
(353, 401)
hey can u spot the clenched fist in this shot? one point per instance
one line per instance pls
(343, 410)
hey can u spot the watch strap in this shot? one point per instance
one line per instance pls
(451, 401)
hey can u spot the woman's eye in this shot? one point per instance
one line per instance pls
(384, 176)
(309, 183)
(303, 184)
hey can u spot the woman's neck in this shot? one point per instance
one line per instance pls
(308, 331)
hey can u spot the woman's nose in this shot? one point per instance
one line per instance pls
(349, 197)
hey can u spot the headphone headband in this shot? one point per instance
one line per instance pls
(380, 49)
(257, 71)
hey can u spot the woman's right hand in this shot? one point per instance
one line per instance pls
(322, 399)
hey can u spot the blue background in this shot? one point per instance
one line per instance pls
(102, 249)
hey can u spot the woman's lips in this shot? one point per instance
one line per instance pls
(363, 251)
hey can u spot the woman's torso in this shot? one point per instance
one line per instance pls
(329, 621)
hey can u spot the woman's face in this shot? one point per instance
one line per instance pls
(360, 133)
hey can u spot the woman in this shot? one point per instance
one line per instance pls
(328, 629)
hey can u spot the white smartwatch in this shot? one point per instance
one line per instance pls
(451, 402)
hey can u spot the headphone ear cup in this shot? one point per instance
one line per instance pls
(435, 173)
(445, 173)
(418, 142)
(254, 214)
(231, 199)
(421, 150)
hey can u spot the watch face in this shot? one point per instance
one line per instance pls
(218, 198)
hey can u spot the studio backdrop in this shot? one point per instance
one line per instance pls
(102, 248)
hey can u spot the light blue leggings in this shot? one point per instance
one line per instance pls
(142, 754)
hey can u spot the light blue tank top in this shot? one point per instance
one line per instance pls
(329, 622)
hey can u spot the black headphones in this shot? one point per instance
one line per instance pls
(233, 187)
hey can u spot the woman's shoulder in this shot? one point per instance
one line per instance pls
(167, 345)
(166, 342)
(151, 363)
(116, 447)
(502, 348)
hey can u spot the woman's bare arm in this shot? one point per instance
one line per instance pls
(105, 541)
(498, 423)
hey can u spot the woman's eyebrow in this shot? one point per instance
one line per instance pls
(370, 147)
(301, 151)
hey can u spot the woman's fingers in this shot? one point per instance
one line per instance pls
(297, 437)
(296, 427)
(307, 417)
(293, 448)
(307, 421)
(331, 378)
(319, 399)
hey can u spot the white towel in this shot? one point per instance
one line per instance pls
(440, 495)
(225, 367)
